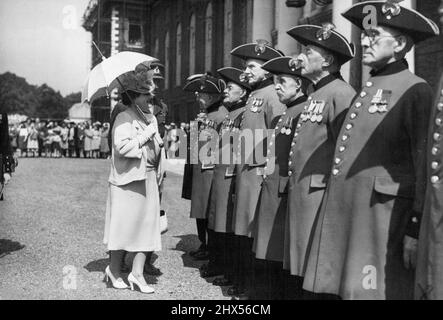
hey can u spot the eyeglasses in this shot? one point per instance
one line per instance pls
(374, 36)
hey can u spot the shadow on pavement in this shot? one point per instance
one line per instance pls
(97, 265)
(186, 244)
(8, 246)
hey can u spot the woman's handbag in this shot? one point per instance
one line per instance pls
(163, 221)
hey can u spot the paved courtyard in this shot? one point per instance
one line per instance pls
(51, 230)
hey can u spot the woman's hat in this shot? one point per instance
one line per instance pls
(391, 14)
(324, 37)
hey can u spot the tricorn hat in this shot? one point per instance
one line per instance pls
(205, 83)
(391, 14)
(324, 37)
(261, 50)
(230, 74)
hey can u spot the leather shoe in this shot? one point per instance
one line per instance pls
(203, 267)
(209, 273)
(234, 291)
(202, 255)
(221, 282)
(200, 249)
(151, 270)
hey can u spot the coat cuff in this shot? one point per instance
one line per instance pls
(413, 226)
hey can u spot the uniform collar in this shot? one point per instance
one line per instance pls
(297, 101)
(263, 84)
(391, 68)
(213, 107)
(328, 79)
(235, 106)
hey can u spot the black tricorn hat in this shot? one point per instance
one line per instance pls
(324, 37)
(230, 74)
(204, 83)
(391, 14)
(286, 65)
(261, 50)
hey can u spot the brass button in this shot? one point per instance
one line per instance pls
(437, 137)
(438, 122)
(434, 165)
(291, 153)
(414, 220)
(345, 137)
(293, 144)
(435, 151)
(342, 149)
(280, 120)
(271, 143)
(295, 135)
(369, 84)
(290, 173)
(440, 106)
(337, 160)
(298, 126)
(353, 116)
(363, 94)
(335, 172)
(349, 127)
(435, 179)
(290, 163)
(358, 105)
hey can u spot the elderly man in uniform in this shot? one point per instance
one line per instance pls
(316, 133)
(429, 275)
(261, 108)
(364, 245)
(7, 162)
(269, 232)
(223, 184)
(208, 90)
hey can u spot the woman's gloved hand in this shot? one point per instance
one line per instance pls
(147, 134)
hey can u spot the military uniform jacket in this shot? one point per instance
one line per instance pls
(6, 156)
(429, 278)
(262, 106)
(376, 191)
(310, 162)
(223, 184)
(269, 226)
(201, 173)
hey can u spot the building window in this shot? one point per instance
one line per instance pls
(167, 46)
(133, 35)
(178, 56)
(208, 38)
(192, 45)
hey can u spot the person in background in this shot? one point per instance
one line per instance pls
(13, 137)
(22, 139)
(56, 141)
(95, 145)
(88, 133)
(81, 140)
(64, 145)
(7, 162)
(104, 146)
(47, 142)
(71, 138)
(32, 140)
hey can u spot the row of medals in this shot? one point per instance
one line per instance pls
(287, 127)
(314, 112)
(256, 104)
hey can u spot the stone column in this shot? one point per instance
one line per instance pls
(344, 27)
(286, 18)
(262, 20)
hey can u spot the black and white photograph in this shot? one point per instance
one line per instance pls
(238, 152)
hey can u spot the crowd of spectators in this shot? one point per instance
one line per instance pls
(57, 139)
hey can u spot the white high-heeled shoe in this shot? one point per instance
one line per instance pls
(116, 283)
(143, 288)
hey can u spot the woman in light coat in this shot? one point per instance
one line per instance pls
(133, 205)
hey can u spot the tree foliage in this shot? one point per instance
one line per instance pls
(18, 96)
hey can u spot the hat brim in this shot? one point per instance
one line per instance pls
(252, 51)
(409, 21)
(336, 43)
(230, 74)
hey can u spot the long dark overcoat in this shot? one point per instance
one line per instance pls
(376, 192)
(269, 231)
(261, 108)
(429, 278)
(310, 164)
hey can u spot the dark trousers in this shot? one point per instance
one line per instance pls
(216, 251)
(268, 281)
(202, 230)
(242, 262)
(292, 286)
